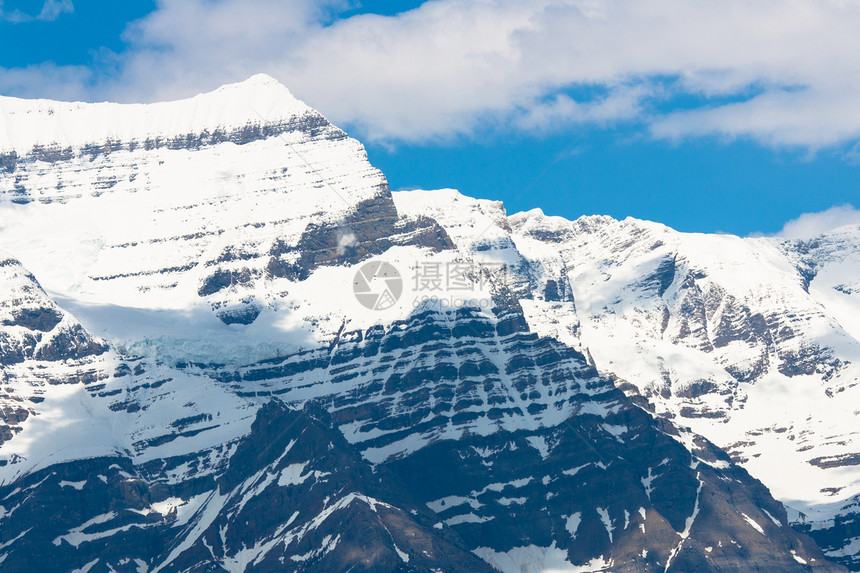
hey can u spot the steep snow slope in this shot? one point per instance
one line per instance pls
(151, 216)
(63, 390)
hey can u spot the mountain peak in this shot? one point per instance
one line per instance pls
(259, 80)
(27, 124)
(254, 86)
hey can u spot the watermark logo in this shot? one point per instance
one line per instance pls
(450, 277)
(377, 285)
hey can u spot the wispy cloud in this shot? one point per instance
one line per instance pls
(66, 83)
(784, 73)
(51, 10)
(810, 225)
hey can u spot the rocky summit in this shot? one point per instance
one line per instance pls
(226, 345)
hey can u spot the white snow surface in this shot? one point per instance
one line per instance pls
(125, 239)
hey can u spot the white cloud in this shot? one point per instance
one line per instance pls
(562, 110)
(51, 10)
(450, 67)
(47, 81)
(811, 225)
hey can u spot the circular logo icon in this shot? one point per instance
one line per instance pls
(377, 285)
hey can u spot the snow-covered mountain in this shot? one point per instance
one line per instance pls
(203, 377)
(753, 343)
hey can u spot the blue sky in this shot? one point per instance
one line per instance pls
(734, 121)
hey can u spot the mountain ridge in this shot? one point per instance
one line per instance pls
(49, 124)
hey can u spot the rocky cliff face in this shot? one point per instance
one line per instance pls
(203, 391)
(453, 440)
